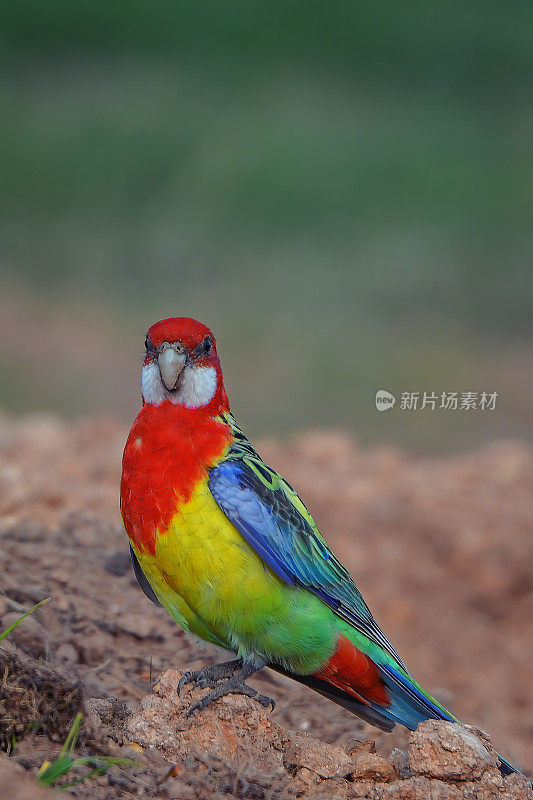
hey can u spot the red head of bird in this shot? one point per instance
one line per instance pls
(181, 365)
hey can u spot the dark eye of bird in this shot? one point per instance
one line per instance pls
(207, 344)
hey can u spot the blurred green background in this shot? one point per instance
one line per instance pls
(342, 191)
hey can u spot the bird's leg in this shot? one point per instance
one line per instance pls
(210, 676)
(233, 685)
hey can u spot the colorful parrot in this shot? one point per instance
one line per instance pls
(227, 546)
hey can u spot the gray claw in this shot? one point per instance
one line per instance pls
(187, 677)
(194, 708)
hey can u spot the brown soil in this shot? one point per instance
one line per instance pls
(441, 548)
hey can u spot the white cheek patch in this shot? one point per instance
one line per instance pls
(197, 387)
(152, 386)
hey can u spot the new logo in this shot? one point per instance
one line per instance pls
(384, 400)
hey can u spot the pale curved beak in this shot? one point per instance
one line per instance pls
(171, 363)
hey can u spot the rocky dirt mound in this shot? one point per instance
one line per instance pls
(440, 547)
(444, 761)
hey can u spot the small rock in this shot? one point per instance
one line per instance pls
(308, 776)
(368, 746)
(66, 654)
(60, 601)
(401, 763)
(326, 760)
(371, 766)
(449, 751)
(142, 627)
(61, 575)
(106, 719)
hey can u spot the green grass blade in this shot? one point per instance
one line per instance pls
(72, 737)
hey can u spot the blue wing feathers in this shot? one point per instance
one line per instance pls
(248, 515)
(282, 536)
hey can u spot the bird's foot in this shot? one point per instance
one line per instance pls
(234, 685)
(210, 676)
(235, 673)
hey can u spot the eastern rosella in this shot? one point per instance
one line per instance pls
(226, 545)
